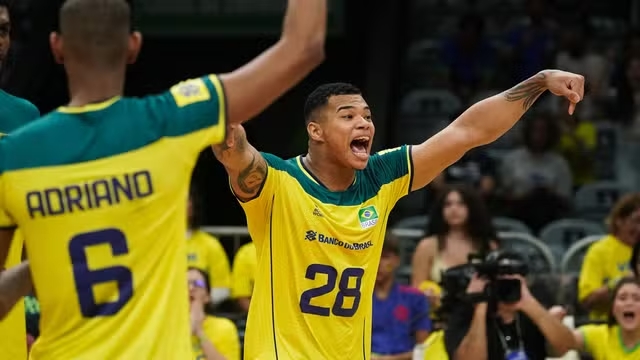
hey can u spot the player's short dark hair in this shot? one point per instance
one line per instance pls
(6, 4)
(320, 96)
(96, 31)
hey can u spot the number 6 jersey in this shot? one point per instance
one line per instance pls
(99, 193)
(318, 253)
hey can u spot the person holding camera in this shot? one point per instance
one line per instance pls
(498, 318)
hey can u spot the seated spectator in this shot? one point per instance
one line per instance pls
(476, 169)
(607, 260)
(469, 57)
(575, 55)
(400, 313)
(531, 44)
(619, 339)
(577, 146)
(206, 253)
(212, 338)
(459, 225)
(244, 275)
(537, 181)
(485, 326)
(628, 93)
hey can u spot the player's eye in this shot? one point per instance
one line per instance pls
(349, 116)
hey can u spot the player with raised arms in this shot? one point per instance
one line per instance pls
(98, 187)
(14, 113)
(318, 220)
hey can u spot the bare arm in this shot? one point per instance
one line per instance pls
(210, 351)
(246, 167)
(555, 332)
(15, 282)
(422, 262)
(487, 120)
(474, 343)
(253, 87)
(598, 299)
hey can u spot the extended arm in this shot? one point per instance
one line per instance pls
(487, 120)
(253, 87)
(246, 167)
(474, 344)
(555, 332)
(15, 282)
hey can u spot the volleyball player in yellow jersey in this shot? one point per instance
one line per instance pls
(318, 220)
(14, 112)
(98, 187)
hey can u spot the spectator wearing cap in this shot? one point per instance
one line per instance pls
(400, 313)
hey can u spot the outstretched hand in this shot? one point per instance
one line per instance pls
(565, 84)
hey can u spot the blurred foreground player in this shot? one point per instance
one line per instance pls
(14, 112)
(98, 186)
(318, 220)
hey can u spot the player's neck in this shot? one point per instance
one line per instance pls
(630, 338)
(86, 87)
(333, 176)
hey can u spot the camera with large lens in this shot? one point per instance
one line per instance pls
(494, 267)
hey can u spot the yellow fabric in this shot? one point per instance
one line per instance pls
(604, 343)
(101, 234)
(435, 288)
(13, 330)
(205, 252)
(223, 334)
(587, 133)
(244, 271)
(434, 347)
(317, 259)
(606, 261)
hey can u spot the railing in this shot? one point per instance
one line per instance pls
(412, 236)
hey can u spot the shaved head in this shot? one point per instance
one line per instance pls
(96, 32)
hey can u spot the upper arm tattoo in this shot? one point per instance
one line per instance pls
(528, 90)
(250, 179)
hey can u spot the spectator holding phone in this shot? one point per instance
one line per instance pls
(496, 317)
(212, 338)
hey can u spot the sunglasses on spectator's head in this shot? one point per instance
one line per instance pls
(198, 283)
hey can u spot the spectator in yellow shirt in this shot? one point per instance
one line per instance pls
(620, 338)
(212, 338)
(607, 260)
(244, 269)
(206, 253)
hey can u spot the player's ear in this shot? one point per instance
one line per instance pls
(315, 131)
(135, 43)
(55, 41)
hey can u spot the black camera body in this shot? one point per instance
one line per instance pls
(494, 267)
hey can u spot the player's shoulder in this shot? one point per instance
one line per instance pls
(18, 103)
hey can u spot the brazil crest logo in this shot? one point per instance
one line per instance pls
(368, 216)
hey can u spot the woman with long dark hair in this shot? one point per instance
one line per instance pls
(459, 225)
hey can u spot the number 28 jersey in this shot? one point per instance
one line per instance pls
(100, 195)
(318, 254)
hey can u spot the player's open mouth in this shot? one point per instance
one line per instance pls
(628, 315)
(360, 145)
